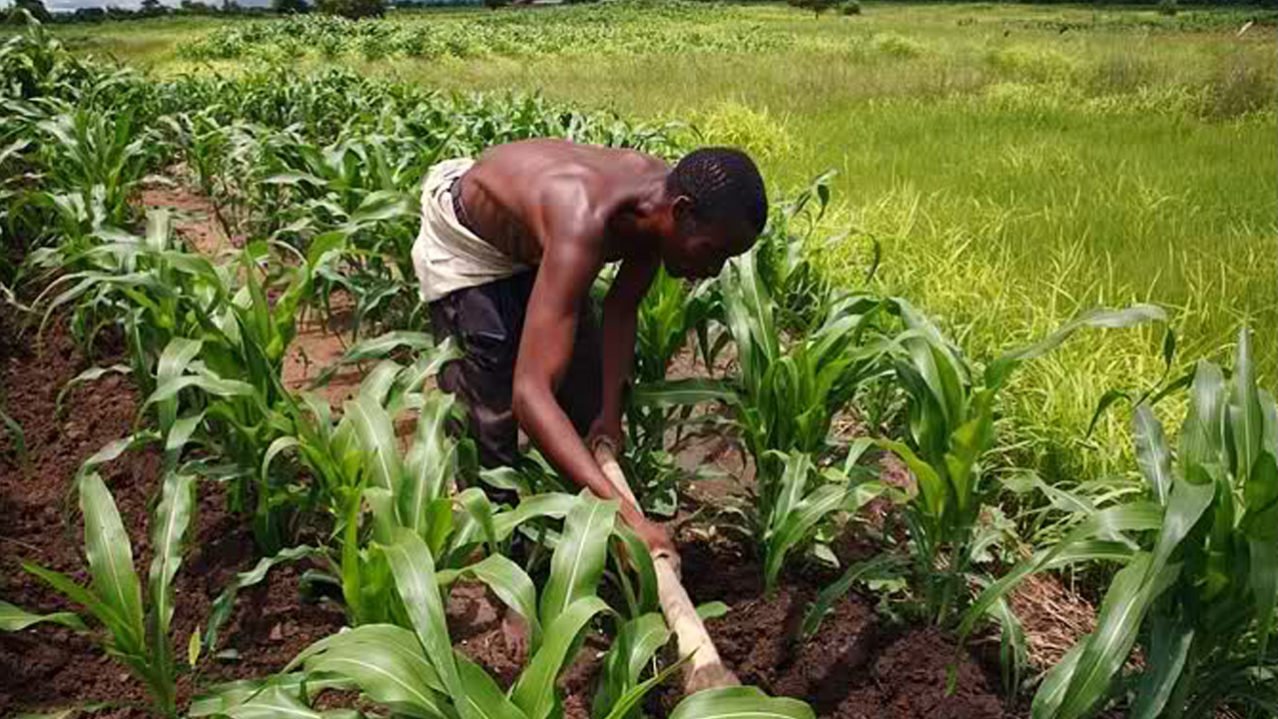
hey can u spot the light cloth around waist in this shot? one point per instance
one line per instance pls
(447, 255)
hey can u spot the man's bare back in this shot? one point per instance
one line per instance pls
(514, 191)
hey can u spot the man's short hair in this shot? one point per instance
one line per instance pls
(723, 183)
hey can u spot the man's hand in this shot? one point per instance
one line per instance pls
(607, 429)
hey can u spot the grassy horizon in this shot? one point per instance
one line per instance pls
(1018, 164)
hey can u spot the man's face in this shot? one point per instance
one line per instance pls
(697, 249)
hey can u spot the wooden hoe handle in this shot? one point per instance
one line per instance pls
(705, 670)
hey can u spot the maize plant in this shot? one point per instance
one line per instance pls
(232, 419)
(669, 313)
(785, 258)
(279, 184)
(785, 398)
(950, 430)
(135, 633)
(142, 284)
(35, 64)
(221, 345)
(18, 225)
(951, 427)
(805, 497)
(365, 191)
(83, 150)
(74, 170)
(1200, 579)
(415, 670)
(356, 464)
(790, 391)
(207, 147)
(634, 648)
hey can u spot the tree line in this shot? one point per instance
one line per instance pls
(376, 8)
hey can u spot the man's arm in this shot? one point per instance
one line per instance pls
(620, 318)
(545, 351)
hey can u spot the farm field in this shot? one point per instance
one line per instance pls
(229, 480)
(1016, 163)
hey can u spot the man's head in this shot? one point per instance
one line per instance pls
(717, 208)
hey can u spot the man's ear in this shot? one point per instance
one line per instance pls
(681, 209)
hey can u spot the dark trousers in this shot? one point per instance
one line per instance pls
(488, 321)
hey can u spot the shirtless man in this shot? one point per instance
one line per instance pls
(509, 248)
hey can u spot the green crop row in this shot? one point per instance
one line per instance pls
(206, 338)
(623, 27)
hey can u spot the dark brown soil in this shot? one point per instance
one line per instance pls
(857, 665)
(475, 625)
(192, 215)
(49, 667)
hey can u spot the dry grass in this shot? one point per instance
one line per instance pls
(1054, 618)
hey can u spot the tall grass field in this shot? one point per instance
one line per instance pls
(1015, 164)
